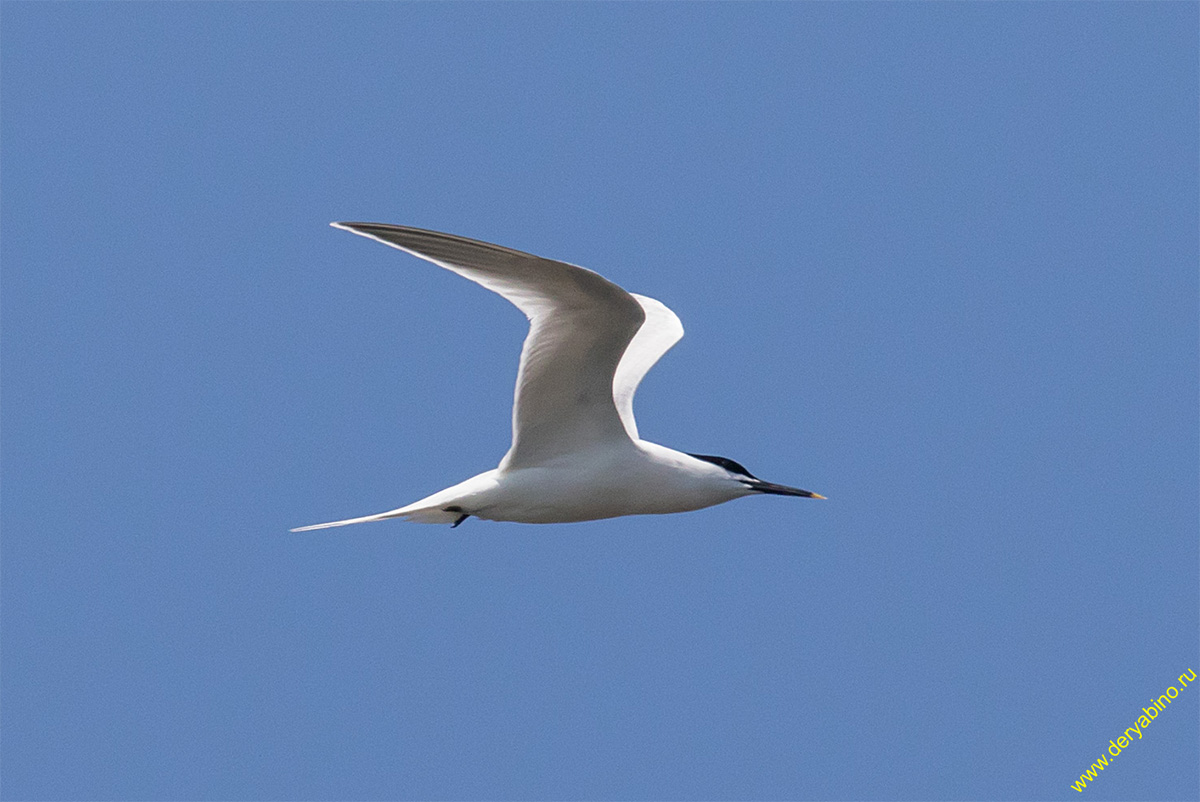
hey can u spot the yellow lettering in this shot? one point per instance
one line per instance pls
(1149, 714)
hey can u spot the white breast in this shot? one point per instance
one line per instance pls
(643, 479)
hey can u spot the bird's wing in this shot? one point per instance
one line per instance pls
(580, 324)
(661, 330)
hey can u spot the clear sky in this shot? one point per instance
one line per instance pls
(935, 261)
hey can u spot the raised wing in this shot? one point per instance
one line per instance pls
(580, 325)
(658, 333)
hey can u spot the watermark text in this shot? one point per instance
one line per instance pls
(1148, 715)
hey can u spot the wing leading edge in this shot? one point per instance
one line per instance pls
(590, 342)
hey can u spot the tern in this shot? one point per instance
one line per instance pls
(576, 454)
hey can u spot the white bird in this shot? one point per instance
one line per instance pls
(576, 454)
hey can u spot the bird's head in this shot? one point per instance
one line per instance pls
(752, 484)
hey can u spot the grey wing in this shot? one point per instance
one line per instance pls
(580, 325)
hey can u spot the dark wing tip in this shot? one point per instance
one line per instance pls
(353, 226)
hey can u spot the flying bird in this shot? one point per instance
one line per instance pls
(576, 454)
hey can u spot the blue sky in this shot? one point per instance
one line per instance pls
(935, 261)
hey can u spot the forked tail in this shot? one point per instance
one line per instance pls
(365, 519)
(420, 515)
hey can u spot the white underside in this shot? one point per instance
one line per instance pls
(639, 478)
(576, 454)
